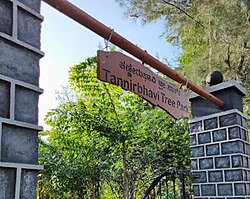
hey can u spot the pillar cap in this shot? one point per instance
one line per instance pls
(221, 86)
(231, 93)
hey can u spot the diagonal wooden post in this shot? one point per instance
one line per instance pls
(94, 25)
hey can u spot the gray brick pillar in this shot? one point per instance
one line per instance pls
(220, 152)
(20, 25)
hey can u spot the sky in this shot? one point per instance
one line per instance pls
(67, 43)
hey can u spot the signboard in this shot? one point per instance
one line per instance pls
(121, 70)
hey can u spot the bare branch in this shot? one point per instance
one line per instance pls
(245, 45)
(241, 60)
(228, 56)
(180, 9)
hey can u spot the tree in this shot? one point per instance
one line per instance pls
(108, 143)
(214, 35)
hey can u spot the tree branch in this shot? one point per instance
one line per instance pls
(180, 9)
(228, 57)
(245, 46)
(113, 106)
(111, 187)
(248, 16)
(241, 60)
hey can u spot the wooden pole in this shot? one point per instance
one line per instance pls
(94, 25)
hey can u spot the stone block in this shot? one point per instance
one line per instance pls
(244, 172)
(19, 63)
(245, 162)
(26, 106)
(33, 4)
(208, 190)
(231, 119)
(200, 177)
(222, 162)
(248, 188)
(219, 135)
(232, 147)
(195, 127)
(6, 17)
(194, 164)
(240, 189)
(248, 177)
(206, 163)
(215, 176)
(5, 99)
(247, 149)
(28, 184)
(196, 190)
(19, 145)
(225, 189)
(204, 138)
(244, 123)
(201, 197)
(193, 140)
(28, 28)
(212, 149)
(243, 135)
(7, 183)
(233, 175)
(246, 134)
(210, 123)
(237, 161)
(197, 151)
(234, 133)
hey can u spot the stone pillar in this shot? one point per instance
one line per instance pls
(20, 25)
(219, 142)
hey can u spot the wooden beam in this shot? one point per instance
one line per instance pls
(94, 25)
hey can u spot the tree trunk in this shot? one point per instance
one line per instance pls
(125, 171)
(93, 191)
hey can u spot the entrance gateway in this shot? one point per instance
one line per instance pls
(20, 25)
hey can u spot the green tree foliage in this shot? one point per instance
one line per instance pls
(107, 143)
(214, 35)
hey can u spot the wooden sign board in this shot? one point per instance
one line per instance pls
(121, 70)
